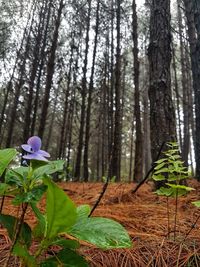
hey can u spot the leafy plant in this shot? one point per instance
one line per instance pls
(171, 171)
(62, 224)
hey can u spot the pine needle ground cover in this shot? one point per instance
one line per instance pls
(144, 215)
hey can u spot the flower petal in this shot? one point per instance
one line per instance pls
(35, 143)
(36, 156)
(27, 148)
(43, 153)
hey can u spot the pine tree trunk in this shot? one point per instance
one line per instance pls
(50, 72)
(28, 109)
(89, 104)
(138, 166)
(41, 66)
(186, 136)
(162, 115)
(192, 15)
(116, 151)
(77, 172)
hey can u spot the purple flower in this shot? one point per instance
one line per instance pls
(33, 148)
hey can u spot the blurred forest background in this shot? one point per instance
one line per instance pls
(104, 83)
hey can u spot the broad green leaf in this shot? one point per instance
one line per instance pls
(158, 177)
(161, 160)
(66, 243)
(196, 203)
(32, 196)
(3, 188)
(22, 252)
(6, 156)
(9, 222)
(83, 211)
(164, 170)
(35, 164)
(163, 191)
(102, 232)
(60, 210)
(39, 229)
(17, 176)
(50, 168)
(186, 188)
(160, 165)
(65, 258)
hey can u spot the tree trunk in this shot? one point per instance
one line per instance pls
(116, 151)
(19, 84)
(88, 113)
(192, 15)
(186, 135)
(138, 166)
(41, 65)
(162, 115)
(28, 109)
(50, 72)
(62, 144)
(83, 93)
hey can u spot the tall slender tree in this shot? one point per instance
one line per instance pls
(116, 150)
(138, 166)
(50, 71)
(162, 115)
(89, 103)
(77, 172)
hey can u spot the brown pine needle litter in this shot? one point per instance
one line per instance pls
(144, 215)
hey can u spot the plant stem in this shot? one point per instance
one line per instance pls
(2, 203)
(191, 228)
(17, 232)
(175, 216)
(38, 252)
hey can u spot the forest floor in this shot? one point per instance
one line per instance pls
(144, 215)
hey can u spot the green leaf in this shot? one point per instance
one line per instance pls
(158, 177)
(17, 176)
(6, 156)
(83, 211)
(9, 222)
(164, 170)
(3, 188)
(32, 196)
(60, 210)
(66, 243)
(35, 164)
(160, 165)
(161, 160)
(163, 191)
(50, 168)
(102, 232)
(22, 252)
(186, 188)
(65, 258)
(39, 229)
(196, 203)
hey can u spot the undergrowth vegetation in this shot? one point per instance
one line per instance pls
(61, 225)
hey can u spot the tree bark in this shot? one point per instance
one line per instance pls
(193, 24)
(89, 104)
(138, 166)
(50, 72)
(162, 115)
(116, 150)
(77, 172)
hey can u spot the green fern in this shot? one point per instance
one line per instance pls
(171, 169)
